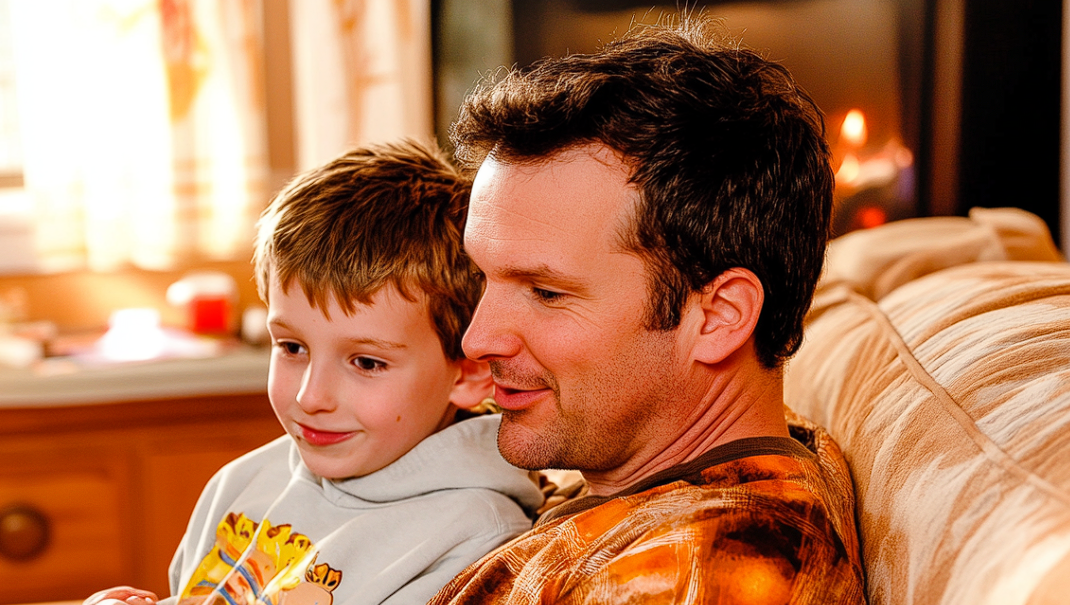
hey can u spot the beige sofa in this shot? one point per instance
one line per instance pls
(938, 356)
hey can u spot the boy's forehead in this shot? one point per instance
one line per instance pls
(322, 296)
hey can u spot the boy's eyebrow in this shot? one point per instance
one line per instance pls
(279, 322)
(375, 342)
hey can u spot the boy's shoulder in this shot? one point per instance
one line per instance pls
(271, 463)
(276, 451)
(460, 458)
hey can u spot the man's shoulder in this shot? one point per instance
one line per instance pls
(719, 477)
(770, 501)
(765, 515)
(751, 530)
(764, 483)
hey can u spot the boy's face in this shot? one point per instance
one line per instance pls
(357, 391)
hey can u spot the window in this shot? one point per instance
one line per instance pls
(135, 132)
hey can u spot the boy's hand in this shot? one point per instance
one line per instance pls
(122, 595)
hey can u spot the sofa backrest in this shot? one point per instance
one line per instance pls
(947, 385)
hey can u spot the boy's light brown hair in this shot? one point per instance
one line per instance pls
(380, 214)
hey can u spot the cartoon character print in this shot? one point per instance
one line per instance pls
(260, 564)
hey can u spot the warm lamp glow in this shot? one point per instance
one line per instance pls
(871, 216)
(853, 131)
(848, 171)
(903, 157)
(133, 335)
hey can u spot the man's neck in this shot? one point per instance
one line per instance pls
(733, 405)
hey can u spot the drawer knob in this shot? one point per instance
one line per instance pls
(24, 532)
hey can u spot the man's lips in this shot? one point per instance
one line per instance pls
(517, 399)
(322, 438)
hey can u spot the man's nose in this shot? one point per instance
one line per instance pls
(492, 333)
(316, 394)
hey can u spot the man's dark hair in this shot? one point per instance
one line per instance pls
(728, 154)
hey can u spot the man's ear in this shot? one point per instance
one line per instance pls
(474, 384)
(730, 306)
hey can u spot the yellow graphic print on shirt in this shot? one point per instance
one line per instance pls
(258, 564)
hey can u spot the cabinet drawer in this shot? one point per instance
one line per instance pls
(64, 519)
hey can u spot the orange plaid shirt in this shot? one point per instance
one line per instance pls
(754, 521)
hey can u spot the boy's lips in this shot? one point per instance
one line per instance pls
(322, 438)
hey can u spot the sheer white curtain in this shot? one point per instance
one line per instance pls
(143, 121)
(362, 72)
(142, 127)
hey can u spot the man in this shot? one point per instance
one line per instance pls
(652, 220)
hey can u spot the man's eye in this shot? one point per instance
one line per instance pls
(546, 296)
(368, 364)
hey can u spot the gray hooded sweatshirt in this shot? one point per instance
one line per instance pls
(265, 528)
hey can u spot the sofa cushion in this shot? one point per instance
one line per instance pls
(950, 398)
(874, 262)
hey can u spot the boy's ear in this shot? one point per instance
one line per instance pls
(730, 306)
(474, 384)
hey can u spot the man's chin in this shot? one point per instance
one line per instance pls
(523, 447)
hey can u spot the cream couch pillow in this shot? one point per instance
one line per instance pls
(950, 396)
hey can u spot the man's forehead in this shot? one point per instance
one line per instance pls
(577, 184)
(560, 221)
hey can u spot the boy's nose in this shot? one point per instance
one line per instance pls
(315, 394)
(492, 332)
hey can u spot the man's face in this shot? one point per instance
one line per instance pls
(583, 384)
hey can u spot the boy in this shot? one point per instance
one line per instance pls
(377, 494)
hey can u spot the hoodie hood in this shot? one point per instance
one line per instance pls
(463, 455)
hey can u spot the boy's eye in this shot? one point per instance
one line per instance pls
(290, 348)
(368, 364)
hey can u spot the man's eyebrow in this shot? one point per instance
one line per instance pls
(544, 273)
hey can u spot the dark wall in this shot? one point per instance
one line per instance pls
(1011, 90)
(999, 147)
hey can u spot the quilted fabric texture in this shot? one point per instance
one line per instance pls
(950, 397)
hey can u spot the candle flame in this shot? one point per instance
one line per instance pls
(853, 131)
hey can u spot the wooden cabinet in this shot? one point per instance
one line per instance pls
(99, 495)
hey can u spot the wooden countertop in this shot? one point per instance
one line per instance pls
(62, 382)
